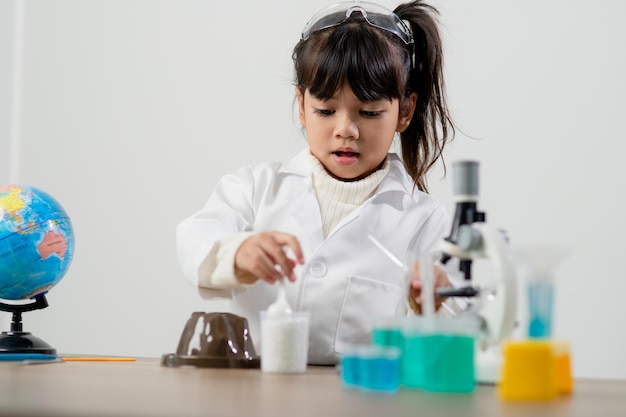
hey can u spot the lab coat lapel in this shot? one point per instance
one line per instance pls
(306, 214)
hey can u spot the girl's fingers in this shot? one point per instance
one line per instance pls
(270, 256)
(267, 270)
(291, 249)
(288, 244)
(280, 261)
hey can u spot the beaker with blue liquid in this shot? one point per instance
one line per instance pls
(371, 368)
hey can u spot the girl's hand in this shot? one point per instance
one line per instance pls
(415, 288)
(264, 257)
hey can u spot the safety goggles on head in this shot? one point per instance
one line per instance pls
(374, 14)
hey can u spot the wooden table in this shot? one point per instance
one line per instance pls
(145, 388)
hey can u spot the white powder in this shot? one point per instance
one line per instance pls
(285, 343)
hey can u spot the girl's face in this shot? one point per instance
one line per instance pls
(350, 138)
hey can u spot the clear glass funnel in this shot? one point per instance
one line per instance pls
(536, 266)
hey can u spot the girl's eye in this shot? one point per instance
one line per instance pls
(370, 113)
(324, 112)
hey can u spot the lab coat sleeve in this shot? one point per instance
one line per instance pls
(217, 270)
(208, 240)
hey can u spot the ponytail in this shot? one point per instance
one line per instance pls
(431, 127)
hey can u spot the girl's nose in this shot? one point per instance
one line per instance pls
(346, 128)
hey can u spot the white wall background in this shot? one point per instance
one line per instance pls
(132, 109)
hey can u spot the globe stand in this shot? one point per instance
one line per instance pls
(18, 341)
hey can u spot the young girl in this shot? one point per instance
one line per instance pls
(362, 75)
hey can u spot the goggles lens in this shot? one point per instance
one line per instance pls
(374, 14)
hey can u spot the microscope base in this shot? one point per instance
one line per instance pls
(489, 366)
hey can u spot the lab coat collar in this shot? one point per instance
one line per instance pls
(298, 165)
(396, 180)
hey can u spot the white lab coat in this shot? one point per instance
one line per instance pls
(346, 282)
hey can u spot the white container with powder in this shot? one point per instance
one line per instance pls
(285, 342)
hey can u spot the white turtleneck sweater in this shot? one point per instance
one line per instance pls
(338, 198)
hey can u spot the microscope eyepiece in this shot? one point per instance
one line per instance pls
(465, 179)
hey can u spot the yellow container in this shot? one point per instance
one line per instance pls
(564, 380)
(535, 370)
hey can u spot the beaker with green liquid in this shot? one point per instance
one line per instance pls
(438, 353)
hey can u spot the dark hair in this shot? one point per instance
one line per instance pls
(377, 65)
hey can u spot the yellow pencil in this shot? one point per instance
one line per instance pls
(98, 359)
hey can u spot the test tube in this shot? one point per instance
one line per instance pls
(427, 277)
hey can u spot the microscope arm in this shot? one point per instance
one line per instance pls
(495, 298)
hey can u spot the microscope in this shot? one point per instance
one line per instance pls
(493, 298)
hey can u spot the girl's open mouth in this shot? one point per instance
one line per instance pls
(345, 157)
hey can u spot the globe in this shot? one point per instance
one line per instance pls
(36, 242)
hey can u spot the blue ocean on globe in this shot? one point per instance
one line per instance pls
(36, 242)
